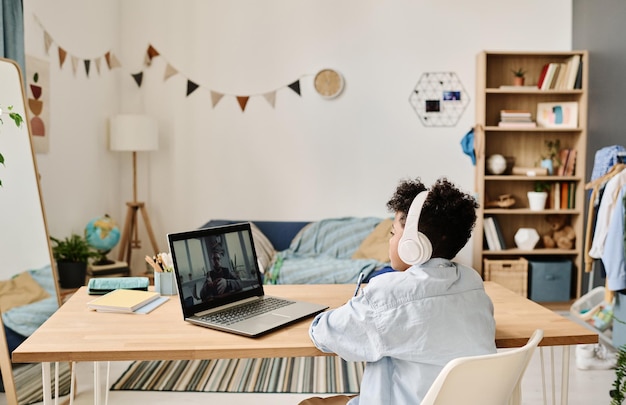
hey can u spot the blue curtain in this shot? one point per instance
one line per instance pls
(12, 29)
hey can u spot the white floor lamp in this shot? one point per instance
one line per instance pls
(134, 133)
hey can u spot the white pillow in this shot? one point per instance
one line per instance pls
(264, 249)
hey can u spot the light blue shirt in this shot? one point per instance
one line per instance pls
(407, 326)
(613, 257)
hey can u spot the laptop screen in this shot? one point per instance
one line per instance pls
(215, 266)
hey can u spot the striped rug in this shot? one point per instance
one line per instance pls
(28, 382)
(273, 375)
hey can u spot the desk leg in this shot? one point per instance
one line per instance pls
(565, 375)
(565, 364)
(100, 392)
(47, 386)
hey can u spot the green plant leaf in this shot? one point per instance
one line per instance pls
(17, 119)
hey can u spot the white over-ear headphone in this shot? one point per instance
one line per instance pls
(414, 247)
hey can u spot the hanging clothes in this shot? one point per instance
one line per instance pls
(596, 186)
(613, 255)
(616, 180)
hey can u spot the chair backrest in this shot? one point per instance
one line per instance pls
(482, 380)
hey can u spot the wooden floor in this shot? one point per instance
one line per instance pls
(586, 387)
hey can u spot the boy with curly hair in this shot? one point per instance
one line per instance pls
(407, 324)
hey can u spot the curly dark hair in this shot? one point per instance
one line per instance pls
(448, 215)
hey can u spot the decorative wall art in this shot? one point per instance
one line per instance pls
(192, 86)
(38, 100)
(328, 83)
(558, 114)
(439, 99)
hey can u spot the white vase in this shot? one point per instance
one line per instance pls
(526, 238)
(537, 200)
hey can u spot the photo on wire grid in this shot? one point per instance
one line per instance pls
(433, 106)
(451, 95)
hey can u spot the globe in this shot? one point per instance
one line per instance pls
(103, 235)
(496, 164)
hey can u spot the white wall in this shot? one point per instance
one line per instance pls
(307, 158)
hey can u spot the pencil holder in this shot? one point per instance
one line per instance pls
(164, 283)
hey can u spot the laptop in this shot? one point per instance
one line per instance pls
(220, 285)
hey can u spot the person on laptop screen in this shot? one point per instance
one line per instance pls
(407, 324)
(219, 279)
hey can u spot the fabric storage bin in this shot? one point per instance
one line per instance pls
(512, 274)
(550, 280)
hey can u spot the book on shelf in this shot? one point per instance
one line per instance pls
(122, 300)
(578, 84)
(499, 233)
(561, 79)
(513, 124)
(516, 118)
(493, 243)
(515, 113)
(542, 75)
(532, 87)
(562, 195)
(549, 77)
(567, 157)
(529, 171)
(573, 70)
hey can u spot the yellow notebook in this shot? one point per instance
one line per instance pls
(123, 300)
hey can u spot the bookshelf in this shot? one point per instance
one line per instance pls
(526, 144)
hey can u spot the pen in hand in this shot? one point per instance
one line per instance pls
(358, 284)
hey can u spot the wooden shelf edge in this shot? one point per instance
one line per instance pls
(528, 211)
(539, 251)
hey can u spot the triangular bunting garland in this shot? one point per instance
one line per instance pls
(62, 55)
(169, 72)
(138, 78)
(151, 53)
(114, 62)
(295, 86)
(191, 87)
(74, 60)
(243, 100)
(215, 98)
(107, 57)
(47, 40)
(271, 98)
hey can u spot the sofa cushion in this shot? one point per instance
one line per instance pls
(376, 244)
(264, 249)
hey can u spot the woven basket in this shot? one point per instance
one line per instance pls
(512, 274)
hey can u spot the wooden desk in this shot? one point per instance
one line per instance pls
(75, 333)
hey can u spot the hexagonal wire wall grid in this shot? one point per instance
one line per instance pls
(439, 99)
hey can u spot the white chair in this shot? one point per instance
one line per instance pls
(492, 379)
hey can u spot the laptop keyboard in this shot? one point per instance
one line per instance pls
(246, 311)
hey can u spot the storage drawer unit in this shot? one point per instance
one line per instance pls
(550, 280)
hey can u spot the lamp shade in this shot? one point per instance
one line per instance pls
(133, 132)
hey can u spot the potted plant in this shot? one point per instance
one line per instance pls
(618, 393)
(538, 197)
(550, 158)
(518, 76)
(72, 255)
